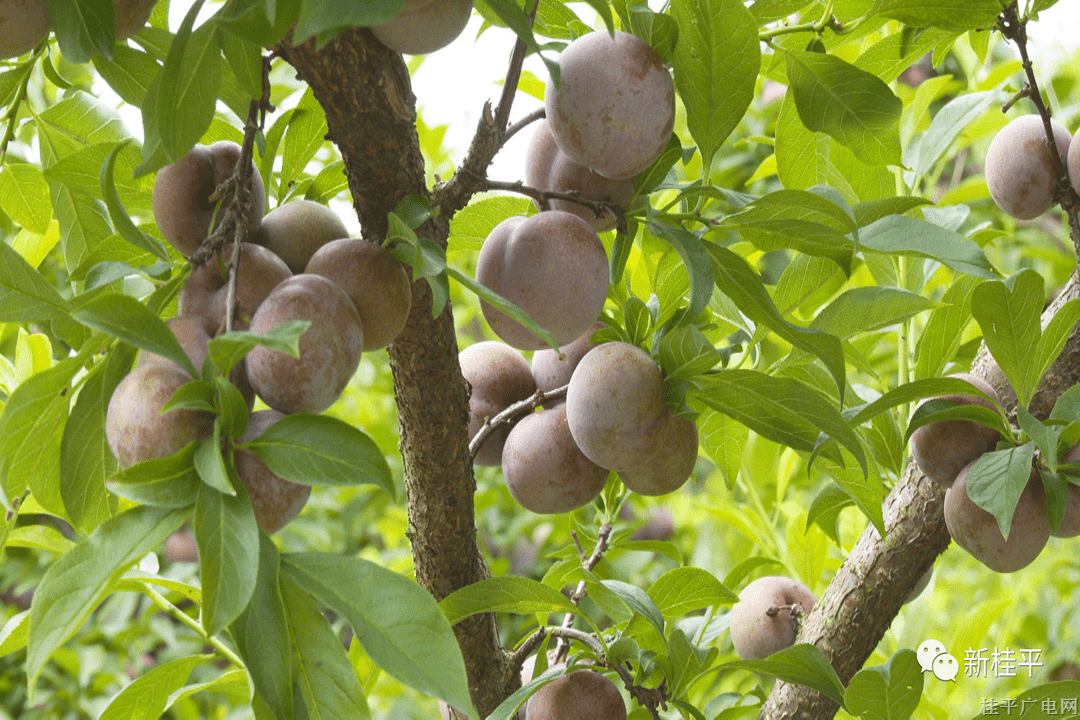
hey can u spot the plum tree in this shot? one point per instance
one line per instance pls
(943, 448)
(276, 501)
(329, 349)
(671, 465)
(615, 406)
(543, 467)
(613, 108)
(549, 168)
(205, 292)
(134, 425)
(551, 371)
(1019, 167)
(376, 282)
(765, 619)
(578, 695)
(551, 265)
(23, 24)
(183, 208)
(977, 531)
(424, 26)
(499, 376)
(295, 230)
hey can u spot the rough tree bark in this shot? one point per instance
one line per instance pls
(365, 91)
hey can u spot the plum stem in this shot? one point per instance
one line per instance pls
(598, 207)
(512, 413)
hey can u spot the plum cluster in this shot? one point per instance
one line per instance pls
(1020, 169)
(354, 294)
(25, 23)
(557, 459)
(946, 450)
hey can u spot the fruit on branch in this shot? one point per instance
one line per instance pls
(578, 695)
(276, 501)
(424, 26)
(134, 426)
(551, 265)
(182, 203)
(499, 377)
(206, 291)
(376, 282)
(549, 168)
(131, 16)
(551, 373)
(23, 24)
(615, 406)
(1020, 169)
(943, 448)
(295, 230)
(543, 467)
(976, 530)
(1073, 162)
(659, 526)
(671, 466)
(766, 618)
(614, 107)
(329, 349)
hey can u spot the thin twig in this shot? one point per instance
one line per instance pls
(580, 591)
(598, 207)
(522, 124)
(512, 414)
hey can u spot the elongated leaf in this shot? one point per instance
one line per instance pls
(118, 214)
(863, 309)
(886, 692)
(950, 121)
(24, 196)
(148, 695)
(510, 593)
(228, 539)
(331, 16)
(686, 352)
(960, 15)
(124, 317)
(229, 349)
(305, 135)
(1054, 336)
(722, 438)
(232, 684)
(997, 479)
(503, 305)
(900, 235)
(850, 105)
(912, 391)
(1008, 313)
(682, 590)
(14, 633)
(398, 623)
(470, 226)
(77, 582)
(801, 664)
(321, 667)
(941, 337)
(170, 482)
(26, 296)
(321, 450)
(716, 61)
(694, 256)
(83, 27)
(128, 72)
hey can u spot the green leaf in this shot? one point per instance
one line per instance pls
(331, 16)
(694, 256)
(303, 138)
(14, 633)
(960, 15)
(1054, 336)
(941, 337)
(722, 439)
(233, 684)
(801, 664)
(503, 305)
(1052, 693)
(1044, 436)
(997, 479)
(124, 317)
(263, 635)
(120, 219)
(685, 352)
(1008, 313)
(850, 105)
(510, 593)
(825, 510)
(873, 210)
(229, 349)
(910, 392)
(263, 22)
(245, 60)
(687, 662)
(170, 482)
(210, 464)
(780, 409)
(949, 122)
(148, 695)
(886, 692)
(74, 123)
(76, 583)
(716, 60)
(24, 196)
(900, 235)
(321, 667)
(863, 309)
(321, 450)
(228, 539)
(128, 73)
(738, 281)
(397, 622)
(82, 27)
(25, 296)
(682, 590)
(471, 225)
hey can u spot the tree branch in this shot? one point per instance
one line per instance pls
(513, 413)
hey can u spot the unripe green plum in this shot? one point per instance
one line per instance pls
(550, 372)
(942, 449)
(543, 467)
(1020, 169)
(206, 291)
(329, 349)
(672, 464)
(549, 168)
(615, 406)
(976, 530)
(424, 26)
(376, 282)
(551, 265)
(23, 24)
(181, 199)
(295, 230)
(499, 377)
(614, 107)
(765, 620)
(276, 501)
(578, 695)
(134, 426)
